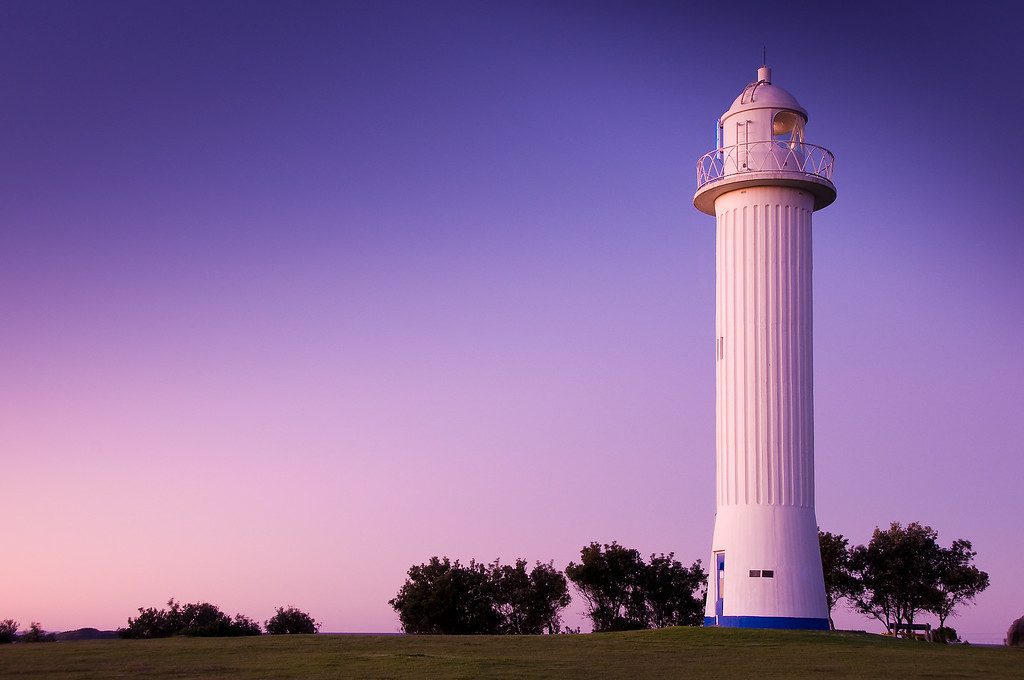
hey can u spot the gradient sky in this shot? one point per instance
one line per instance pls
(295, 295)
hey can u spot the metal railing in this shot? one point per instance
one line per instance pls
(765, 156)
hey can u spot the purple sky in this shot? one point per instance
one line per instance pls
(298, 295)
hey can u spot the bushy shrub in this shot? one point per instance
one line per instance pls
(622, 592)
(35, 633)
(8, 631)
(199, 619)
(291, 621)
(448, 598)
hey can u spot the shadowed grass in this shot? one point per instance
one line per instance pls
(672, 652)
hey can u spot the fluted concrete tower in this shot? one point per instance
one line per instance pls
(761, 184)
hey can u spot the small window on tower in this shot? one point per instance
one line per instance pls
(768, 573)
(755, 573)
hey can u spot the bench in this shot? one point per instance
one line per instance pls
(913, 631)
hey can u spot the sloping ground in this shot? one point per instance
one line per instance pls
(672, 653)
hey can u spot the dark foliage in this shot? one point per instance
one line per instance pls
(611, 580)
(291, 621)
(625, 593)
(1015, 633)
(528, 603)
(200, 619)
(35, 633)
(445, 597)
(837, 567)
(8, 631)
(898, 570)
(901, 573)
(674, 594)
(959, 580)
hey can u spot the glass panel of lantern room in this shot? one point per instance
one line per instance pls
(788, 126)
(787, 141)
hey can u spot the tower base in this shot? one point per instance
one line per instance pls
(766, 569)
(776, 622)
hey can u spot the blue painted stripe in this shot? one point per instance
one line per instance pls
(783, 622)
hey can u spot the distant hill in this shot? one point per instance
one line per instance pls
(87, 634)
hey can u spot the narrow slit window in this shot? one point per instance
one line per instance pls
(755, 573)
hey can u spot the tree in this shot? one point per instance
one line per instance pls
(550, 597)
(150, 623)
(445, 597)
(442, 597)
(35, 633)
(898, 570)
(669, 592)
(291, 621)
(513, 597)
(8, 631)
(611, 579)
(624, 593)
(202, 619)
(242, 625)
(199, 619)
(528, 603)
(959, 580)
(837, 567)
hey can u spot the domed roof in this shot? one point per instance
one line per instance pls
(761, 94)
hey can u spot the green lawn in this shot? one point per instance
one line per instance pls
(668, 653)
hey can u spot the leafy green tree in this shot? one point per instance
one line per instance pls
(35, 633)
(959, 581)
(528, 603)
(447, 598)
(243, 626)
(203, 619)
(674, 594)
(291, 621)
(199, 619)
(611, 580)
(624, 593)
(150, 623)
(8, 631)
(898, 570)
(550, 597)
(837, 566)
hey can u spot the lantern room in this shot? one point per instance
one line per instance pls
(760, 142)
(763, 112)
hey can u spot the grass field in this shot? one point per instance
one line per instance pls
(667, 653)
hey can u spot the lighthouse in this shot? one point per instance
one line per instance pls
(762, 183)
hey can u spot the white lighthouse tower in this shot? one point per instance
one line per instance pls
(761, 184)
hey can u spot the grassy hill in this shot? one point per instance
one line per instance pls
(673, 652)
